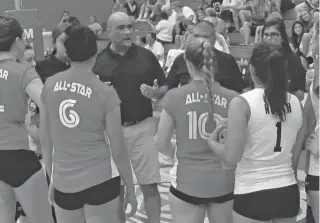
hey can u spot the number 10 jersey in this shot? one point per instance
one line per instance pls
(266, 161)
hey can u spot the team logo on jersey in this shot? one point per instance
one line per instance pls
(72, 119)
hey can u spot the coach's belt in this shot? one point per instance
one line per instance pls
(127, 124)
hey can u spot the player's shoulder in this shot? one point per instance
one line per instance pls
(227, 92)
(17, 68)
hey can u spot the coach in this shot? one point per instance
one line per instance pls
(135, 74)
(227, 73)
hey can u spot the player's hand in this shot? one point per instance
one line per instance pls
(151, 92)
(130, 198)
(215, 135)
(51, 194)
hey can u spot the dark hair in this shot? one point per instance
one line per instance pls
(153, 35)
(28, 47)
(10, 29)
(200, 54)
(295, 39)
(143, 39)
(81, 43)
(269, 63)
(74, 21)
(279, 24)
(163, 15)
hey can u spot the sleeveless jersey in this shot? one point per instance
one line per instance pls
(14, 77)
(266, 161)
(199, 172)
(76, 103)
(314, 160)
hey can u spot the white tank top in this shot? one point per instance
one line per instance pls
(314, 160)
(266, 161)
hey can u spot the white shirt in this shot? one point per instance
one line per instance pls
(158, 50)
(165, 29)
(261, 167)
(187, 12)
(172, 55)
(221, 44)
(173, 17)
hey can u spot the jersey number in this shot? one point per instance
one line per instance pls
(198, 124)
(72, 119)
(1, 106)
(277, 148)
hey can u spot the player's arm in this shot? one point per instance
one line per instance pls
(238, 116)
(304, 131)
(164, 135)
(119, 151)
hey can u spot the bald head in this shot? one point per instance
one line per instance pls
(117, 17)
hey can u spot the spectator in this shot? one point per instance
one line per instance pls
(164, 29)
(309, 40)
(146, 8)
(200, 15)
(95, 26)
(257, 8)
(286, 8)
(296, 36)
(65, 17)
(311, 6)
(306, 20)
(274, 31)
(156, 9)
(228, 73)
(182, 27)
(132, 8)
(218, 23)
(187, 12)
(173, 53)
(132, 70)
(58, 60)
(233, 6)
(155, 47)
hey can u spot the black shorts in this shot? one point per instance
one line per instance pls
(312, 183)
(197, 201)
(266, 205)
(17, 166)
(96, 195)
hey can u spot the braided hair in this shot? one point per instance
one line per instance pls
(200, 54)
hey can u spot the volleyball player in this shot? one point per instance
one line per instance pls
(203, 183)
(263, 125)
(21, 174)
(78, 109)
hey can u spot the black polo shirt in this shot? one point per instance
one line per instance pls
(296, 73)
(127, 73)
(228, 73)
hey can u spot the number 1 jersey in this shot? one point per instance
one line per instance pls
(266, 161)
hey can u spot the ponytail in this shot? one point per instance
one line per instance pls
(209, 71)
(275, 93)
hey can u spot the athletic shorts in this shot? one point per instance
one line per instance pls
(198, 201)
(140, 142)
(269, 204)
(312, 183)
(96, 195)
(17, 166)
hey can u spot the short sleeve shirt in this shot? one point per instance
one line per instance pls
(77, 103)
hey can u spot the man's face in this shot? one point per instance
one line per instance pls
(205, 33)
(29, 56)
(121, 31)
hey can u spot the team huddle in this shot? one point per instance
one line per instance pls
(236, 154)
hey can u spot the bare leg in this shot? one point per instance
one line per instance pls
(152, 202)
(7, 203)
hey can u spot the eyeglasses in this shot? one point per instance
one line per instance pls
(271, 35)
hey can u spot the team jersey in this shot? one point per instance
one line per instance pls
(14, 77)
(199, 172)
(77, 103)
(314, 164)
(266, 161)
